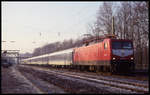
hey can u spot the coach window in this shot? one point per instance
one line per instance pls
(105, 45)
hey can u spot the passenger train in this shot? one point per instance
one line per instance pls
(108, 54)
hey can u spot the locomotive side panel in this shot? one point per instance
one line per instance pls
(93, 54)
(86, 55)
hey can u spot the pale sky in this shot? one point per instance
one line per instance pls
(23, 22)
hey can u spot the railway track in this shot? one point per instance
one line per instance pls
(114, 83)
(42, 86)
(106, 79)
(129, 87)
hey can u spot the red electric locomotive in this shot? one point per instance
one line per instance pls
(109, 54)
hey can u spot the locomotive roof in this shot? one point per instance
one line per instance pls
(99, 38)
(121, 40)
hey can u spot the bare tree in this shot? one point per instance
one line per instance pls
(103, 22)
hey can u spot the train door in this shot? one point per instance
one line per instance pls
(101, 51)
(105, 51)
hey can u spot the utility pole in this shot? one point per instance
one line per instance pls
(113, 29)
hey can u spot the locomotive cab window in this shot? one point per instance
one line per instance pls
(121, 45)
(105, 46)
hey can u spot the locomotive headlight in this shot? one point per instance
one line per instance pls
(131, 58)
(114, 58)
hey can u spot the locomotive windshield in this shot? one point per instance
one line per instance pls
(121, 45)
